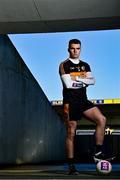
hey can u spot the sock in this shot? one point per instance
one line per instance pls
(70, 161)
(98, 148)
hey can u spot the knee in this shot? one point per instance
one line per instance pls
(71, 129)
(71, 135)
(102, 121)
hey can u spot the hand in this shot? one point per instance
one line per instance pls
(73, 78)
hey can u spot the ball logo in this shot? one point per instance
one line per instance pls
(103, 167)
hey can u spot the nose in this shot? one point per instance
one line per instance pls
(75, 50)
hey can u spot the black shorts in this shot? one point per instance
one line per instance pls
(75, 110)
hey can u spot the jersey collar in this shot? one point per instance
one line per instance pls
(74, 61)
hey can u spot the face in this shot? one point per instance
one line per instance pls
(74, 51)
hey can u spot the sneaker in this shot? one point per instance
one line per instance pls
(100, 156)
(72, 170)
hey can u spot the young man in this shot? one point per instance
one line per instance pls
(76, 76)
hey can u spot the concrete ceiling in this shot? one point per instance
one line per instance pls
(33, 16)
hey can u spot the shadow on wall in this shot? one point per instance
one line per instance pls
(30, 129)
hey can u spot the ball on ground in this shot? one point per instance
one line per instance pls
(104, 167)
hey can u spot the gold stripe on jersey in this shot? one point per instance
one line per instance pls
(61, 67)
(82, 74)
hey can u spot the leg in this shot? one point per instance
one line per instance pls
(70, 129)
(95, 115)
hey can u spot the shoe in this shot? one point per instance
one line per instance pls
(72, 170)
(100, 156)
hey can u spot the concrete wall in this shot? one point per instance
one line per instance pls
(28, 16)
(30, 129)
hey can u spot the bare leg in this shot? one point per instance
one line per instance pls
(71, 127)
(95, 115)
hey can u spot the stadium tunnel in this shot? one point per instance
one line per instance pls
(28, 121)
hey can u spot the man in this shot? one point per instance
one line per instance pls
(76, 76)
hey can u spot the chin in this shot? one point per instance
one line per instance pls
(76, 57)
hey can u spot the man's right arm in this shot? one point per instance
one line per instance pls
(67, 80)
(69, 83)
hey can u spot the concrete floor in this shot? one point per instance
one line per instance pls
(87, 171)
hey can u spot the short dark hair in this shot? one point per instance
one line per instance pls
(74, 41)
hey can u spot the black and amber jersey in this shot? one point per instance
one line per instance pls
(80, 69)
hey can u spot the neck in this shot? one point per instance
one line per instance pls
(75, 61)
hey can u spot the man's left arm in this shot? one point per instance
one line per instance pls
(88, 79)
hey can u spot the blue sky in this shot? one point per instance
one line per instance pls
(43, 52)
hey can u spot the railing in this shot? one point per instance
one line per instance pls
(95, 101)
(108, 131)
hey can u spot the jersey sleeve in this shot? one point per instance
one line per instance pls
(88, 79)
(88, 69)
(63, 69)
(66, 78)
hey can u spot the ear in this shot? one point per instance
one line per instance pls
(68, 50)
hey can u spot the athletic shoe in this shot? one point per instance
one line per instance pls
(100, 156)
(72, 170)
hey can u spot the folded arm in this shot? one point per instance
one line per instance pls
(88, 80)
(75, 80)
(69, 83)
